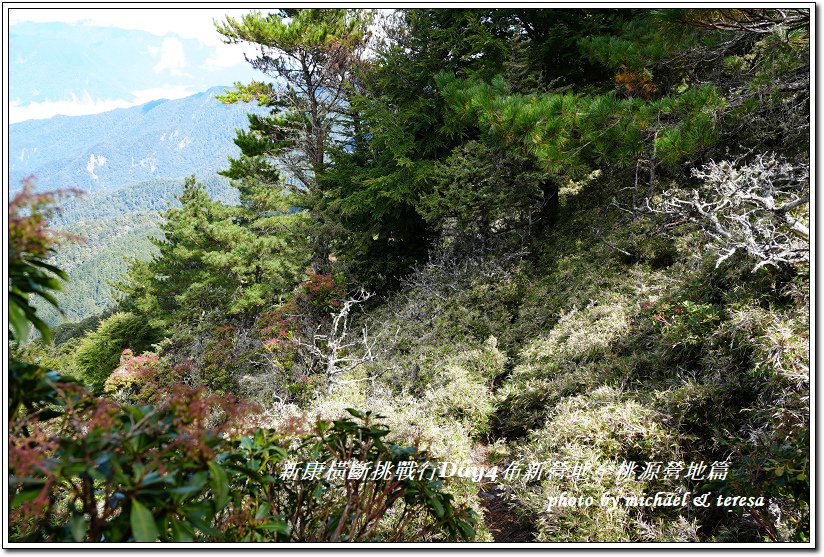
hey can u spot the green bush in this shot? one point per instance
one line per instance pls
(345, 509)
(602, 429)
(179, 472)
(99, 351)
(575, 356)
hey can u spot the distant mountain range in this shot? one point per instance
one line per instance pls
(160, 139)
(132, 163)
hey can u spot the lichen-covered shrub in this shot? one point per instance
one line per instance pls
(444, 416)
(608, 421)
(582, 334)
(569, 360)
(602, 430)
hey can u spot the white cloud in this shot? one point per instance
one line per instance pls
(71, 107)
(172, 57)
(187, 23)
(172, 61)
(227, 56)
(87, 105)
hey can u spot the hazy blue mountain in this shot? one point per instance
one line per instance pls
(160, 139)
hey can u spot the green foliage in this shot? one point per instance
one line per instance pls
(646, 41)
(98, 353)
(106, 228)
(31, 388)
(164, 474)
(311, 54)
(30, 277)
(297, 30)
(218, 259)
(152, 467)
(97, 258)
(686, 325)
(220, 363)
(483, 192)
(257, 146)
(372, 190)
(345, 509)
(569, 134)
(29, 242)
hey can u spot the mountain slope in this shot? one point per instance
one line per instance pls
(131, 163)
(160, 139)
(97, 258)
(150, 195)
(110, 226)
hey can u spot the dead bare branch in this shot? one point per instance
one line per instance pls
(758, 208)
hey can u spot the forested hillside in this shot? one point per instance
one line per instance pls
(127, 162)
(565, 250)
(106, 230)
(153, 195)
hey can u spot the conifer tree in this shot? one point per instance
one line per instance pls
(218, 259)
(311, 54)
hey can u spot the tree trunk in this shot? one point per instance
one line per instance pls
(549, 211)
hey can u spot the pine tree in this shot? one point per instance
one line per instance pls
(311, 54)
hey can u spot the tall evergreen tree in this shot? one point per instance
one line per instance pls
(311, 54)
(214, 258)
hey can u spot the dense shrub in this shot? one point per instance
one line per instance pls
(576, 355)
(183, 471)
(99, 351)
(344, 508)
(601, 429)
(140, 380)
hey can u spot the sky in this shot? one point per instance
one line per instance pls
(84, 61)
